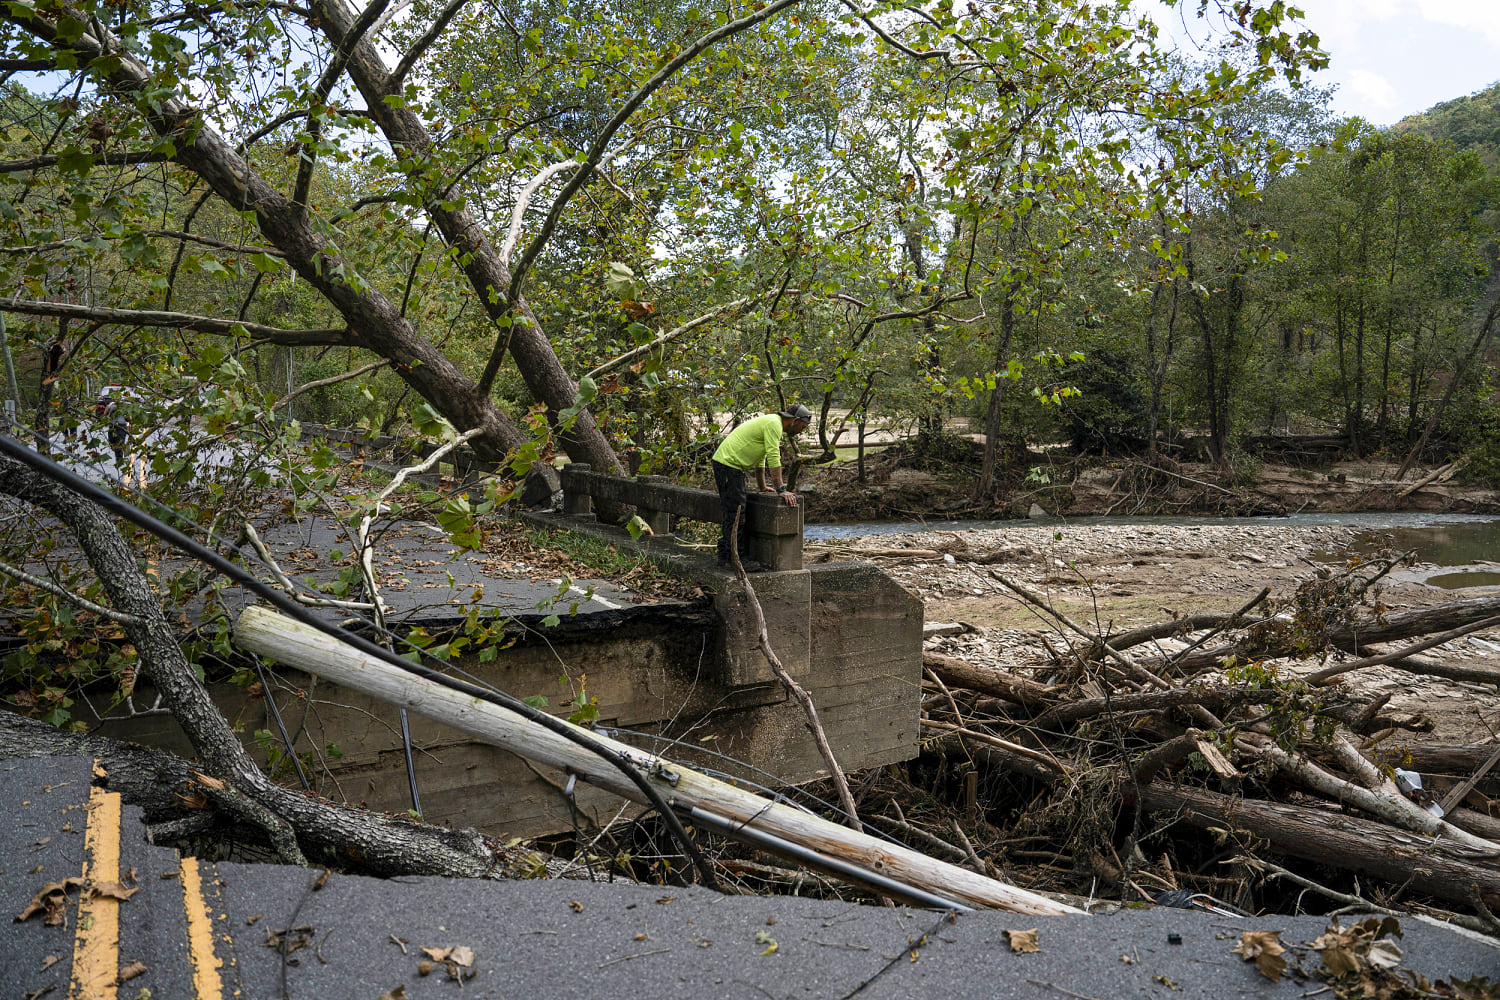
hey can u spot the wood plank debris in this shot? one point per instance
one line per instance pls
(1280, 760)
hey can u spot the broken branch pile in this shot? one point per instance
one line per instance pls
(1124, 754)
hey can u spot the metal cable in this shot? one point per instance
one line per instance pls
(51, 470)
(848, 871)
(265, 686)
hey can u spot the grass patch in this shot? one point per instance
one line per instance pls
(595, 554)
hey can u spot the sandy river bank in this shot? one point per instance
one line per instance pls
(1109, 576)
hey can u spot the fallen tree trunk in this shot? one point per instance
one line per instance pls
(291, 821)
(1272, 643)
(1212, 697)
(1444, 870)
(1175, 628)
(1476, 823)
(170, 789)
(297, 645)
(1434, 758)
(1425, 480)
(1441, 868)
(1452, 671)
(989, 680)
(1327, 674)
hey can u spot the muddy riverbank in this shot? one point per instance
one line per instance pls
(1109, 577)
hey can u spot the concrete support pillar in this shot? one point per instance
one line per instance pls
(775, 532)
(660, 521)
(577, 503)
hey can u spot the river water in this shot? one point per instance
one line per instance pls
(1467, 544)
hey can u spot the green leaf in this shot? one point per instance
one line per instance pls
(620, 280)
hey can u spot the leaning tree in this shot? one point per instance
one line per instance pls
(198, 183)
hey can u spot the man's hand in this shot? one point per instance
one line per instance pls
(789, 497)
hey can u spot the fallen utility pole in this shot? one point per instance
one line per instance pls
(734, 811)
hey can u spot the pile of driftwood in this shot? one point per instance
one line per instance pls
(1236, 774)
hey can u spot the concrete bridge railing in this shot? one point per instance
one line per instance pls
(775, 530)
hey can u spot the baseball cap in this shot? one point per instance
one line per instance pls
(798, 412)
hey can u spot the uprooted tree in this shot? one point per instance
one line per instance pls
(190, 190)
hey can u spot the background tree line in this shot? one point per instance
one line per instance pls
(666, 216)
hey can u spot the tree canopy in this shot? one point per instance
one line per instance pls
(598, 230)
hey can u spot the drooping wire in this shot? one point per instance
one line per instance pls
(774, 785)
(291, 751)
(189, 546)
(376, 625)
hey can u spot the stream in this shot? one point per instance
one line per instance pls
(1462, 550)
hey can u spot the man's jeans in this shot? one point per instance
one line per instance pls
(731, 486)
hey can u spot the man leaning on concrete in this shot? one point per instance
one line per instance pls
(754, 444)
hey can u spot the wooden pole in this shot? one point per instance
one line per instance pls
(303, 647)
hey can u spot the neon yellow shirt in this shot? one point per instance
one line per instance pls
(754, 444)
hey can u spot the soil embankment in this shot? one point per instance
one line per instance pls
(898, 486)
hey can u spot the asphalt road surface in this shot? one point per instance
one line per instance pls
(192, 929)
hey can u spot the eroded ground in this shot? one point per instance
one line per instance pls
(1111, 577)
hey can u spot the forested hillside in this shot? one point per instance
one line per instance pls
(1471, 122)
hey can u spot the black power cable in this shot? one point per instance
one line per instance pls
(46, 467)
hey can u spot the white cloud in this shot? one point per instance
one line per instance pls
(1478, 15)
(1343, 24)
(1372, 89)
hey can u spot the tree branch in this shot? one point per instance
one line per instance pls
(523, 201)
(365, 202)
(250, 535)
(362, 543)
(170, 234)
(320, 383)
(107, 159)
(797, 691)
(869, 22)
(423, 44)
(671, 335)
(331, 336)
(601, 143)
(1327, 674)
(71, 598)
(335, 69)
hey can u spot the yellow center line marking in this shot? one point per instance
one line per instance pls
(96, 942)
(200, 934)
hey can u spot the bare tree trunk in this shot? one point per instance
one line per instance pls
(1158, 359)
(52, 360)
(1356, 425)
(374, 321)
(1326, 837)
(1266, 643)
(291, 820)
(986, 483)
(1453, 384)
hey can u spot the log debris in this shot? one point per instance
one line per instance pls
(1136, 750)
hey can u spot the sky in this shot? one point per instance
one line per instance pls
(1393, 58)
